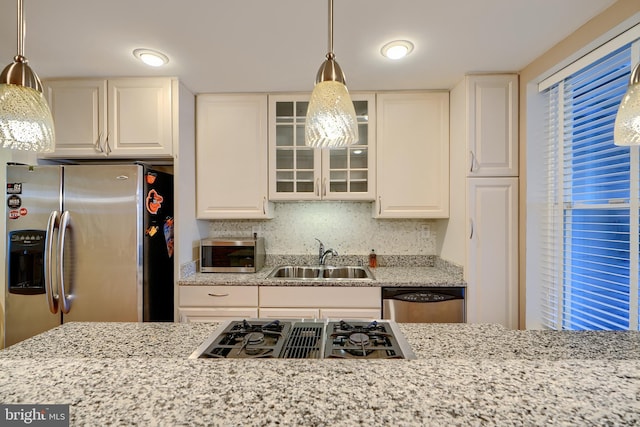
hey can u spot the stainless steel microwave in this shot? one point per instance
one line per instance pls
(231, 255)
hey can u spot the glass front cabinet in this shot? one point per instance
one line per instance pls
(298, 172)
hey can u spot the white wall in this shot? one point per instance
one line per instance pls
(451, 234)
(347, 227)
(188, 231)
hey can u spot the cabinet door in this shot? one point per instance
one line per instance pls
(349, 173)
(231, 157)
(140, 117)
(294, 168)
(492, 125)
(412, 155)
(79, 109)
(298, 172)
(492, 258)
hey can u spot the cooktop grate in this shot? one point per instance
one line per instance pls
(304, 341)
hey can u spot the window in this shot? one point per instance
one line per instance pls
(590, 219)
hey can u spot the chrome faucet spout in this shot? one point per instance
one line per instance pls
(320, 251)
(322, 254)
(323, 258)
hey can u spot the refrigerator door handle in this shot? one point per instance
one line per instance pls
(49, 264)
(65, 299)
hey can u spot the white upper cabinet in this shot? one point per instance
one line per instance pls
(492, 125)
(412, 155)
(231, 157)
(298, 172)
(119, 118)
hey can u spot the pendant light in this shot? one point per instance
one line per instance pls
(331, 118)
(626, 130)
(25, 119)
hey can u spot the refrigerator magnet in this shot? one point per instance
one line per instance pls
(168, 235)
(14, 202)
(151, 177)
(154, 202)
(14, 188)
(152, 230)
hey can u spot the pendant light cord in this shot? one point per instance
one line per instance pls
(21, 29)
(330, 54)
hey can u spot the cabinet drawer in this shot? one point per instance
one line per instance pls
(289, 313)
(199, 315)
(218, 296)
(350, 313)
(314, 297)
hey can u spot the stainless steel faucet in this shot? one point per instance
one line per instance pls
(322, 254)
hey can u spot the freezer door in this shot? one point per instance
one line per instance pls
(102, 256)
(33, 192)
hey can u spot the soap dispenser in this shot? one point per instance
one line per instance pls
(373, 260)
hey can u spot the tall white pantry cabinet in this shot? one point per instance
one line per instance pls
(491, 268)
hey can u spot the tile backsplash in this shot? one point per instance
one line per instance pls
(347, 227)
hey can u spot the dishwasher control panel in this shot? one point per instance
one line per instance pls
(424, 297)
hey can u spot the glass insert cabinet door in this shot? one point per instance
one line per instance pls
(298, 172)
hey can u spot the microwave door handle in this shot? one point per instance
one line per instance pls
(49, 264)
(65, 298)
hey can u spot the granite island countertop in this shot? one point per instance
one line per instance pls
(140, 374)
(383, 276)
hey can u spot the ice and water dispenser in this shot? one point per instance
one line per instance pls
(26, 262)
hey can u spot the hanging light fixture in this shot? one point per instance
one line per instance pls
(626, 130)
(25, 119)
(331, 118)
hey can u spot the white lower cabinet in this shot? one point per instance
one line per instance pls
(492, 251)
(215, 303)
(319, 302)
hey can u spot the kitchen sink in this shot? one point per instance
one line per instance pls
(321, 272)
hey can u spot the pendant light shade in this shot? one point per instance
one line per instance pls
(626, 130)
(25, 118)
(331, 118)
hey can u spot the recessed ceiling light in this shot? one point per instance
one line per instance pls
(151, 57)
(397, 49)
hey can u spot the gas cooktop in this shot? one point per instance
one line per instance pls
(305, 339)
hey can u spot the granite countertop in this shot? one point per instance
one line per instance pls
(383, 276)
(140, 374)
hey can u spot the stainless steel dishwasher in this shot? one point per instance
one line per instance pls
(424, 305)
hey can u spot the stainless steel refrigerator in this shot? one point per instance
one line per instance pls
(87, 243)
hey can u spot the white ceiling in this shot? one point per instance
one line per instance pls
(278, 45)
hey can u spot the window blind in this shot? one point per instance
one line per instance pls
(590, 245)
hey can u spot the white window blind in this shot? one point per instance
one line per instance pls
(590, 228)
